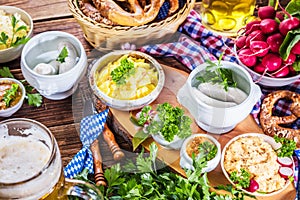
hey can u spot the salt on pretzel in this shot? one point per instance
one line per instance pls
(271, 124)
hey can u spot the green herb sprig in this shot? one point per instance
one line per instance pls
(15, 41)
(34, 99)
(242, 179)
(216, 74)
(10, 94)
(122, 72)
(208, 149)
(287, 146)
(62, 55)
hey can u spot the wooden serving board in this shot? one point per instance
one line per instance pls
(175, 79)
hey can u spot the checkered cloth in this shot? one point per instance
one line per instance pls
(90, 128)
(196, 44)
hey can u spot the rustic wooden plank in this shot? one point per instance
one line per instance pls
(41, 10)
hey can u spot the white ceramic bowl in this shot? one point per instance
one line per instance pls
(11, 110)
(216, 119)
(187, 162)
(12, 53)
(125, 105)
(175, 144)
(266, 80)
(267, 139)
(43, 48)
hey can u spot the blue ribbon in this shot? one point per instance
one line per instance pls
(90, 128)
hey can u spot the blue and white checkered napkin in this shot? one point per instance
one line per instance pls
(90, 128)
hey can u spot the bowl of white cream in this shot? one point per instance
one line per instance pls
(219, 95)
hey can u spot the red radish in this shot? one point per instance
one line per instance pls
(285, 161)
(275, 41)
(289, 24)
(292, 70)
(246, 57)
(272, 61)
(283, 72)
(241, 42)
(266, 12)
(253, 186)
(259, 68)
(286, 172)
(252, 26)
(290, 59)
(256, 35)
(280, 15)
(259, 48)
(268, 26)
(296, 48)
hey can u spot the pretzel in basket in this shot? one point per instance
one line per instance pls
(271, 125)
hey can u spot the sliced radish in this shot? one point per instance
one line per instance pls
(286, 172)
(285, 161)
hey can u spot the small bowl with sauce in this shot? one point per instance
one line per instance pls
(12, 48)
(218, 105)
(126, 80)
(200, 143)
(12, 94)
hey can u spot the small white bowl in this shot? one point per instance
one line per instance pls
(266, 80)
(220, 120)
(125, 105)
(12, 53)
(186, 161)
(175, 144)
(11, 110)
(267, 139)
(42, 48)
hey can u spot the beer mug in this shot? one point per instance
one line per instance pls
(227, 17)
(31, 164)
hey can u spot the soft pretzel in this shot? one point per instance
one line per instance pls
(115, 13)
(271, 124)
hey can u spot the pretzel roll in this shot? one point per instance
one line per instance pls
(272, 125)
(112, 11)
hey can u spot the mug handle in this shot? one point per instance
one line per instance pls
(84, 190)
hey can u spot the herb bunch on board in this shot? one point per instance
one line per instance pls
(34, 99)
(147, 182)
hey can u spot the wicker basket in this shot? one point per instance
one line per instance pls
(102, 36)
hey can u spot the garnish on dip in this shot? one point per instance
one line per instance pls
(168, 121)
(10, 94)
(13, 30)
(202, 145)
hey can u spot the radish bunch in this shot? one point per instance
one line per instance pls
(270, 45)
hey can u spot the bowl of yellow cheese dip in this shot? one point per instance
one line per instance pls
(126, 80)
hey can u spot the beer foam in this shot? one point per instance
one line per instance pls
(21, 158)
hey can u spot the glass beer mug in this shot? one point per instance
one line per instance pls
(227, 17)
(31, 165)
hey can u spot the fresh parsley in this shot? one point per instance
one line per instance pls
(122, 72)
(62, 55)
(287, 146)
(169, 122)
(147, 178)
(216, 74)
(15, 40)
(241, 179)
(208, 149)
(10, 94)
(34, 99)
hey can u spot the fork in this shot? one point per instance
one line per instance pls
(89, 109)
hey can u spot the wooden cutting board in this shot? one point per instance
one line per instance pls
(175, 79)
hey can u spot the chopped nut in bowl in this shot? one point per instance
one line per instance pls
(126, 80)
(16, 28)
(12, 94)
(200, 144)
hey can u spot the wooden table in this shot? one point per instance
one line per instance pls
(57, 115)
